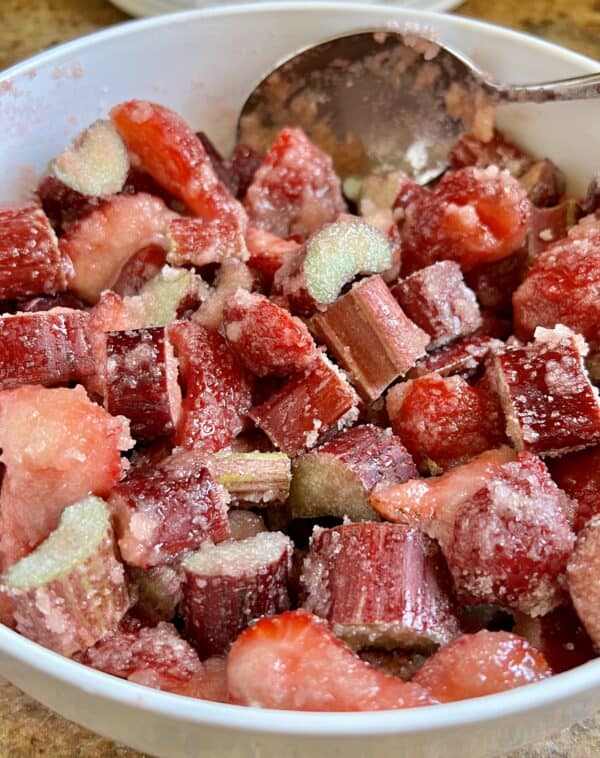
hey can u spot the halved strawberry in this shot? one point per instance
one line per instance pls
(293, 661)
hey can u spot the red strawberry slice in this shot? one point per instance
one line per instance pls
(294, 662)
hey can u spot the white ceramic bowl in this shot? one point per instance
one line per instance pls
(203, 64)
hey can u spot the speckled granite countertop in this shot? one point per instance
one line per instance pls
(27, 729)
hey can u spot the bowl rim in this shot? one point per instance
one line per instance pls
(183, 709)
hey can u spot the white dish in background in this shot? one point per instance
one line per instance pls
(154, 7)
(203, 64)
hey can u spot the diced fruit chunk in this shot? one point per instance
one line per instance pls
(495, 282)
(229, 585)
(463, 357)
(313, 276)
(472, 216)
(198, 241)
(582, 577)
(96, 164)
(544, 182)
(31, 261)
(71, 591)
(437, 299)
(244, 524)
(578, 474)
(143, 265)
(443, 421)
(231, 276)
(481, 664)
(57, 447)
(295, 190)
(307, 408)
(256, 478)
(550, 406)
(141, 381)
(499, 151)
(160, 512)
(268, 666)
(267, 252)
(336, 478)
(44, 347)
(62, 204)
(371, 337)
(380, 585)
(266, 338)
(245, 162)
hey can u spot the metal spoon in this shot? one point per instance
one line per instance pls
(378, 101)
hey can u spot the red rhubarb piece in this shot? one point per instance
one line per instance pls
(141, 381)
(227, 586)
(499, 151)
(443, 421)
(544, 182)
(549, 225)
(253, 478)
(550, 406)
(481, 664)
(380, 585)
(31, 262)
(437, 299)
(103, 241)
(582, 577)
(464, 357)
(140, 269)
(562, 284)
(57, 447)
(268, 666)
(45, 347)
(307, 408)
(511, 539)
(218, 390)
(578, 474)
(198, 242)
(371, 337)
(337, 477)
(495, 282)
(295, 190)
(267, 252)
(472, 216)
(161, 512)
(157, 591)
(62, 204)
(266, 338)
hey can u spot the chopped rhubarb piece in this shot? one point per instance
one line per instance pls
(71, 590)
(336, 478)
(104, 240)
(231, 276)
(499, 151)
(268, 666)
(245, 524)
(437, 299)
(48, 302)
(371, 337)
(550, 405)
(218, 390)
(198, 242)
(402, 664)
(549, 225)
(380, 585)
(229, 585)
(96, 164)
(561, 285)
(578, 474)
(161, 512)
(295, 190)
(62, 204)
(307, 408)
(141, 381)
(544, 182)
(173, 155)
(418, 501)
(256, 478)
(140, 269)
(266, 338)
(158, 593)
(495, 282)
(57, 447)
(472, 216)
(591, 201)
(481, 664)
(463, 357)
(313, 276)
(47, 347)
(559, 636)
(443, 421)
(245, 162)
(511, 539)
(31, 261)
(582, 577)
(267, 252)
(226, 173)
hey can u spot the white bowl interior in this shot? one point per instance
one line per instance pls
(204, 64)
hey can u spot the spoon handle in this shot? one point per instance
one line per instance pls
(575, 88)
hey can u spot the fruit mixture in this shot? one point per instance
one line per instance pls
(266, 444)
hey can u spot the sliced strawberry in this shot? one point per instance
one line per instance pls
(481, 664)
(31, 261)
(57, 447)
(266, 338)
(578, 474)
(582, 577)
(295, 190)
(268, 666)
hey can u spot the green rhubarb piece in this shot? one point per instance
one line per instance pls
(253, 477)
